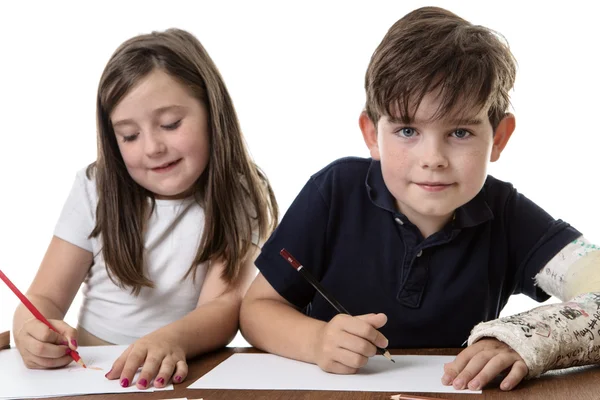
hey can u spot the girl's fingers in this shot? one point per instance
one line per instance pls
(165, 373)
(181, 371)
(35, 362)
(152, 365)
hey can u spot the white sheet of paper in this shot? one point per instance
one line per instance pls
(271, 372)
(22, 382)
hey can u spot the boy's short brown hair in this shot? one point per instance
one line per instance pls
(433, 49)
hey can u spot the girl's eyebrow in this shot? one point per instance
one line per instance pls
(156, 112)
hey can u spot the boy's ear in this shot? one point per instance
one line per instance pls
(369, 131)
(501, 135)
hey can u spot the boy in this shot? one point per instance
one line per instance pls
(421, 234)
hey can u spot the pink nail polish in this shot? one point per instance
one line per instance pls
(106, 376)
(160, 380)
(125, 382)
(143, 383)
(64, 343)
(177, 379)
(74, 342)
(68, 351)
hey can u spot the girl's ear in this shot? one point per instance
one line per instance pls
(369, 131)
(503, 132)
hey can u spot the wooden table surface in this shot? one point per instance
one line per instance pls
(581, 383)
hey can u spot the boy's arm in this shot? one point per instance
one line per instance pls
(557, 335)
(269, 322)
(342, 346)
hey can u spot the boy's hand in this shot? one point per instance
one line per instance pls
(346, 343)
(481, 362)
(160, 358)
(42, 348)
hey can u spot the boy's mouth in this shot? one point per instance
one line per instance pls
(434, 186)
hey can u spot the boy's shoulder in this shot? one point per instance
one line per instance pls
(496, 189)
(345, 170)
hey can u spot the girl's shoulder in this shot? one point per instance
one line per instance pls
(85, 184)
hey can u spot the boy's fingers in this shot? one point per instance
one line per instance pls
(452, 369)
(351, 359)
(357, 345)
(471, 370)
(518, 371)
(375, 320)
(336, 367)
(363, 328)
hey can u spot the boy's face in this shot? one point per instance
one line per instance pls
(432, 167)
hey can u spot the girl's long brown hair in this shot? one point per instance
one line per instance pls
(235, 194)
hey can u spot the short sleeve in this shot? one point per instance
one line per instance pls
(302, 232)
(534, 238)
(77, 218)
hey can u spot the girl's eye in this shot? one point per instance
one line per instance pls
(172, 126)
(407, 132)
(130, 138)
(461, 134)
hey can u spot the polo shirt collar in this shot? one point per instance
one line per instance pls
(473, 213)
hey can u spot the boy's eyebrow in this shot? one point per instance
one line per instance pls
(156, 112)
(457, 122)
(467, 121)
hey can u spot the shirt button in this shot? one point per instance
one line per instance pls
(398, 221)
(420, 253)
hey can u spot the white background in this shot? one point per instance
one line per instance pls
(295, 71)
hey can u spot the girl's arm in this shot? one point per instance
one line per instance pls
(212, 325)
(56, 283)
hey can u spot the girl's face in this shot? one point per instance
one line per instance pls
(163, 135)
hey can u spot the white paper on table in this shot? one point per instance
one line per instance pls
(271, 372)
(21, 382)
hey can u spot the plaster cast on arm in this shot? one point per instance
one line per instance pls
(557, 335)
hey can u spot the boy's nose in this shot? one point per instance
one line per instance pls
(433, 156)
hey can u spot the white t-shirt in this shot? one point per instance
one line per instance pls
(171, 242)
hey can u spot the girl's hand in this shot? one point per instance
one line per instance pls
(42, 348)
(481, 362)
(346, 343)
(160, 358)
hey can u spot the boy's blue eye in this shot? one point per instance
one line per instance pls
(461, 133)
(407, 132)
(172, 126)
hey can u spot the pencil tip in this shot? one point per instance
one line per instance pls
(387, 355)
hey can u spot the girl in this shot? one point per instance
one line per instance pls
(162, 229)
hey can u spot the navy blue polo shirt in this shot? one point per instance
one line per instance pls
(345, 229)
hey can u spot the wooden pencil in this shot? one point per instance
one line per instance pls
(319, 288)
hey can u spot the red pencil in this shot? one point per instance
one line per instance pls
(36, 313)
